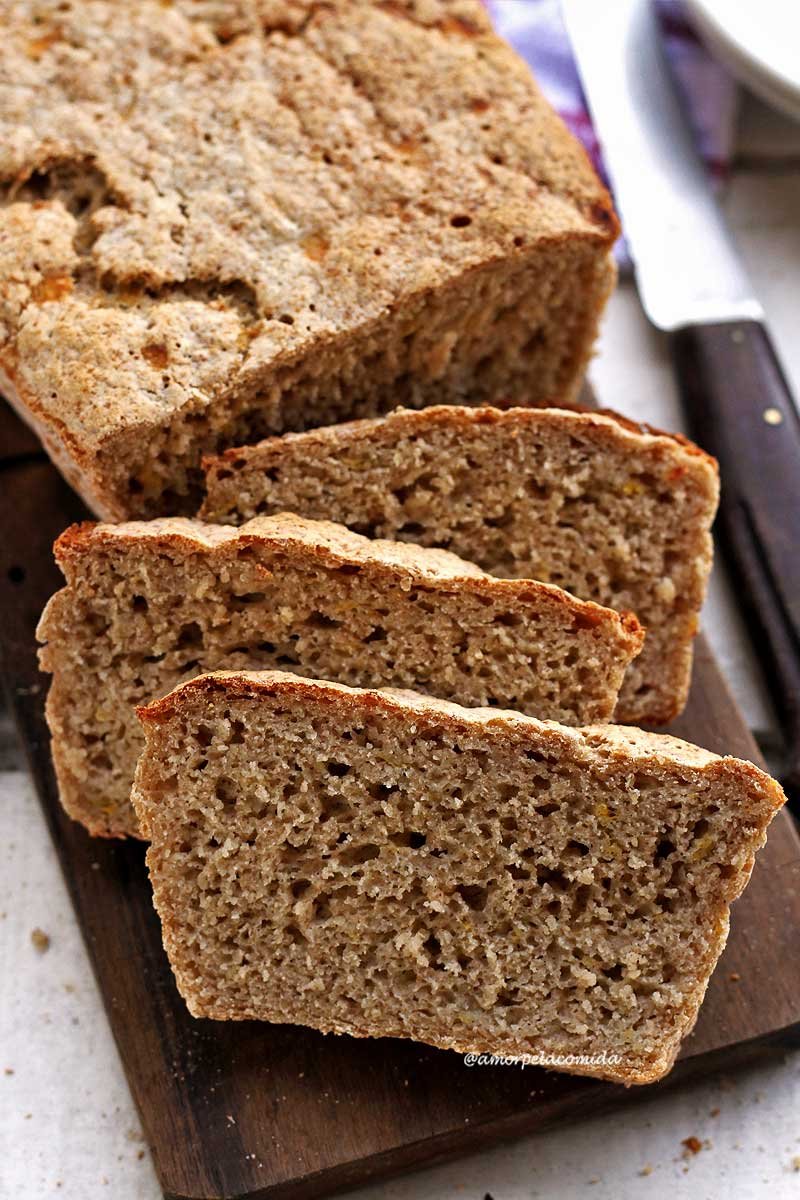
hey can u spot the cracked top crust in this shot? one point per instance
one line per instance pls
(334, 546)
(197, 190)
(616, 742)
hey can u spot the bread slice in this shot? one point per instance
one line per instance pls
(150, 604)
(389, 865)
(224, 220)
(612, 511)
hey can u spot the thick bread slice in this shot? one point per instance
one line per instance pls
(612, 511)
(389, 865)
(224, 220)
(150, 604)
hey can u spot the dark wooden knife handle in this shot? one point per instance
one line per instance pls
(741, 410)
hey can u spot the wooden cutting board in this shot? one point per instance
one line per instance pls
(253, 1110)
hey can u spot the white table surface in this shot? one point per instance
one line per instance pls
(68, 1127)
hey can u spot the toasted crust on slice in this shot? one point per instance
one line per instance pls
(610, 510)
(148, 604)
(388, 864)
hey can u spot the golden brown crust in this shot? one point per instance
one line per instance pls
(743, 800)
(392, 476)
(623, 743)
(334, 546)
(68, 453)
(142, 290)
(149, 603)
(620, 742)
(577, 416)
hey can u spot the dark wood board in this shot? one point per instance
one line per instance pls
(252, 1110)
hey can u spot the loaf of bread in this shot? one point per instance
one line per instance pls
(389, 865)
(149, 604)
(613, 512)
(226, 220)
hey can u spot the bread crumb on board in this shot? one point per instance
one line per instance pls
(41, 940)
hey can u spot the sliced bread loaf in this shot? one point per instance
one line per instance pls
(384, 864)
(613, 512)
(150, 604)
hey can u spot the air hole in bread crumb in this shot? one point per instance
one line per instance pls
(381, 791)
(413, 841)
(663, 850)
(646, 783)
(333, 806)
(474, 895)
(336, 768)
(139, 604)
(320, 620)
(225, 790)
(432, 945)
(512, 620)
(588, 619)
(354, 855)
(190, 634)
(246, 598)
(460, 221)
(579, 848)
(556, 879)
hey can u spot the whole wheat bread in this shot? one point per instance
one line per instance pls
(613, 512)
(223, 220)
(388, 865)
(149, 604)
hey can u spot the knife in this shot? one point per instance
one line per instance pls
(694, 288)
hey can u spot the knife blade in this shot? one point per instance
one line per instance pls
(687, 270)
(693, 286)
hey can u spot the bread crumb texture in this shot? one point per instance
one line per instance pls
(150, 604)
(386, 864)
(223, 220)
(612, 511)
